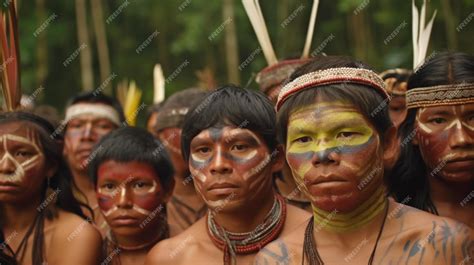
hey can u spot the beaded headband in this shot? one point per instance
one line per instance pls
(333, 76)
(453, 94)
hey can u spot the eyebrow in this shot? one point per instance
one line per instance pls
(244, 136)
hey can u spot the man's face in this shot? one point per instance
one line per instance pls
(23, 166)
(232, 167)
(82, 133)
(128, 194)
(397, 110)
(335, 155)
(445, 136)
(171, 139)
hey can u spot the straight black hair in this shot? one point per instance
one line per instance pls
(234, 106)
(128, 144)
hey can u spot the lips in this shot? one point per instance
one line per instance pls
(221, 189)
(125, 220)
(327, 179)
(8, 186)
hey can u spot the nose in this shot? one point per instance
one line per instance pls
(124, 200)
(326, 156)
(461, 137)
(7, 165)
(220, 164)
(87, 133)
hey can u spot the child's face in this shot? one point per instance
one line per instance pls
(445, 136)
(335, 155)
(128, 194)
(231, 166)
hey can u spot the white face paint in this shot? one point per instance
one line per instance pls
(20, 166)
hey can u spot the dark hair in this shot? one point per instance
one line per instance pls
(128, 144)
(367, 100)
(408, 181)
(401, 75)
(98, 97)
(61, 181)
(231, 105)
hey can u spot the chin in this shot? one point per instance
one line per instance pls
(459, 177)
(340, 203)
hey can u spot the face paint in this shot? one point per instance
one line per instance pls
(128, 193)
(82, 133)
(445, 136)
(335, 156)
(229, 164)
(22, 162)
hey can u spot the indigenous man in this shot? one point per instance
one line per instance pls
(334, 121)
(232, 153)
(185, 206)
(89, 117)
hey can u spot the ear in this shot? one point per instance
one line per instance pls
(168, 195)
(391, 146)
(278, 158)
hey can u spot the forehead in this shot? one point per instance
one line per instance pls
(88, 117)
(326, 112)
(226, 133)
(126, 170)
(20, 128)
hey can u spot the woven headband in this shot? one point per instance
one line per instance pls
(333, 76)
(453, 94)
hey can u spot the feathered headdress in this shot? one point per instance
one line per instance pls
(10, 58)
(420, 33)
(129, 96)
(277, 72)
(158, 84)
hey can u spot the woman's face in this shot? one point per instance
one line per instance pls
(445, 137)
(23, 166)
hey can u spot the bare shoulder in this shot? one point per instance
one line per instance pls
(177, 248)
(76, 238)
(287, 249)
(417, 235)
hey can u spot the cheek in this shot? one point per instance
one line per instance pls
(105, 202)
(148, 202)
(432, 146)
(300, 163)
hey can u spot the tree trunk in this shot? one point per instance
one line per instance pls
(42, 47)
(231, 48)
(450, 25)
(87, 76)
(102, 46)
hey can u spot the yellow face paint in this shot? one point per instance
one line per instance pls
(336, 158)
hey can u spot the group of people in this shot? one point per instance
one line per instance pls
(345, 165)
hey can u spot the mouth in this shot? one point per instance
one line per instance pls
(222, 189)
(327, 179)
(125, 220)
(8, 186)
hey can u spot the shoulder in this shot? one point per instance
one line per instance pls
(76, 238)
(279, 252)
(170, 251)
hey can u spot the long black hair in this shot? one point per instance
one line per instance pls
(61, 181)
(409, 182)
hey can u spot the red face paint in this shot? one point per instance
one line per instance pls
(445, 136)
(128, 193)
(23, 166)
(229, 165)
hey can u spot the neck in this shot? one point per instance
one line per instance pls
(345, 222)
(143, 240)
(247, 219)
(448, 192)
(18, 217)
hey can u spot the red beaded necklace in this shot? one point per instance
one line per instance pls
(250, 242)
